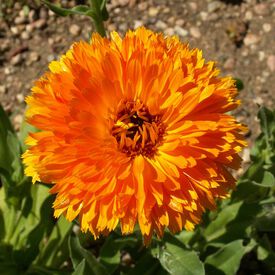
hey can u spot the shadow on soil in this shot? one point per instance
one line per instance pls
(233, 2)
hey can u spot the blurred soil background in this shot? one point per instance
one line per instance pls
(239, 35)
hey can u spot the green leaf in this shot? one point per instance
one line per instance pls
(2, 226)
(80, 9)
(218, 227)
(147, 265)
(267, 181)
(270, 200)
(239, 84)
(55, 250)
(81, 268)
(266, 221)
(261, 172)
(40, 270)
(5, 123)
(227, 259)
(103, 4)
(110, 251)
(7, 263)
(6, 132)
(11, 168)
(233, 222)
(177, 260)
(25, 129)
(14, 148)
(264, 249)
(105, 14)
(265, 252)
(186, 236)
(266, 121)
(78, 253)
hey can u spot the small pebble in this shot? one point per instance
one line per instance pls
(153, 11)
(258, 100)
(193, 6)
(251, 39)
(229, 64)
(123, 27)
(25, 35)
(32, 16)
(16, 60)
(169, 31)
(20, 98)
(111, 27)
(195, 32)
(29, 28)
(22, 13)
(180, 31)
(50, 57)
(271, 63)
(261, 9)
(261, 55)
(50, 41)
(137, 23)
(213, 17)
(14, 30)
(142, 6)
(246, 155)
(5, 45)
(123, 2)
(171, 21)
(51, 13)
(213, 6)
(180, 22)
(166, 10)
(40, 23)
(19, 20)
(75, 30)
(17, 121)
(34, 56)
(248, 16)
(204, 15)
(161, 25)
(266, 27)
(8, 70)
(117, 10)
(3, 89)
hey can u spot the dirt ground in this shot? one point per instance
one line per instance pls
(239, 35)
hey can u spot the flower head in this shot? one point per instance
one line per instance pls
(134, 129)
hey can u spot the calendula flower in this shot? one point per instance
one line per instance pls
(134, 130)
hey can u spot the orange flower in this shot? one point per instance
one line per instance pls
(134, 130)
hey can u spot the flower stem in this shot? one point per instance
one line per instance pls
(98, 20)
(99, 26)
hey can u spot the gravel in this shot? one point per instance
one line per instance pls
(238, 37)
(75, 30)
(271, 63)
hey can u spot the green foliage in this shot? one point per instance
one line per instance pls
(239, 84)
(227, 259)
(27, 225)
(96, 11)
(242, 227)
(177, 259)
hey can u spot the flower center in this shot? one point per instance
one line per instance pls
(136, 130)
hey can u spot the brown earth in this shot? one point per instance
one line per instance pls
(239, 35)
